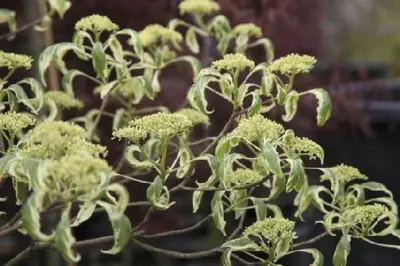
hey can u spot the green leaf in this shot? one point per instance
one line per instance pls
(99, 60)
(375, 186)
(123, 197)
(130, 157)
(134, 40)
(64, 239)
(79, 38)
(255, 107)
(238, 199)
(318, 202)
(331, 222)
(342, 251)
(121, 227)
(271, 158)
(68, 79)
(282, 247)
(278, 186)
(153, 194)
(35, 103)
(242, 92)
(85, 212)
(291, 105)
(56, 53)
(297, 176)
(217, 210)
(302, 201)
(239, 244)
(194, 63)
(223, 44)
(5, 161)
(105, 90)
(8, 16)
(60, 6)
(267, 83)
(281, 94)
(324, 108)
(118, 118)
(21, 191)
(30, 216)
(184, 163)
(268, 46)
(226, 258)
(196, 95)
(35, 170)
(191, 40)
(196, 200)
(241, 42)
(260, 208)
(317, 256)
(155, 82)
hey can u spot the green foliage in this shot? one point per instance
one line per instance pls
(60, 166)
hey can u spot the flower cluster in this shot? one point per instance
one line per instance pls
(96, 24)
(160, 125)
(308, 147)
(364, 215)
(14, 122)
(198, 7)
(272, 229)
(248, 29)
(293, 64)
(257, 127)
(242, 177)
(63, 100)
(154, 33)
(196, 117)
(233, 62)
(345, 174)
(79, 172)
(53, 140)
(14, 61)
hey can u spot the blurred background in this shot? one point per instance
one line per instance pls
(357, 44)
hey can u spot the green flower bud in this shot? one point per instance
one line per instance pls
(96, 24)
(233, 62)
(257, 127)
(154, 33)
(308, 147)
(63, 99)
(345, 174)
(14, 61)
(242, 177)
(198, 7)
(293, 64)
(14, 122)
(364, 215)
(248, 29)
(272, 229)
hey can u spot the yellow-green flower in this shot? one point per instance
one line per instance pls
(155, 33)
(248, 29)
(198, 7)
(96, 24)
(63, 100)
(257, 127)
(14, 122)
(364, 215)
(196, 117)
(160, 125)
(77, 173)
(293, 64)
(233, 62)
(272, 229)
(14, 61)
(305, 146)
(344, 174)
(242, 177)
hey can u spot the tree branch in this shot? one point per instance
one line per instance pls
(22, 28)
(7, 230)
(311, 241)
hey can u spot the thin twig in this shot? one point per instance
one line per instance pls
(243, 261)
(12, 221)
(179, 231)
(233, 188)
(145, 220)
(9, 229)
(22, 28)
(22, 255)
(311, 241)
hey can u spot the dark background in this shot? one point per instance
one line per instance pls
(357, 45)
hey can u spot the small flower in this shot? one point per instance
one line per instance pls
(308, 147)
(242, 177)
(96, 24)
(77, 173)
(14, 61)
(345, 174)
(160, 125)
(248, 29)
(272, 229)
(198, 7)
(194, 116)
(78, 144)
(293, 64)
(14, 122)
(257, 127)
(233, 62)
(364, 215)
(154, 33)
(63, 99)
